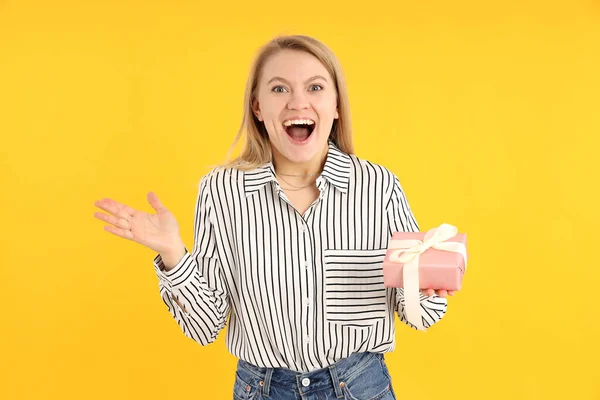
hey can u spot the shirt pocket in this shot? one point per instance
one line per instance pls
(354, 289)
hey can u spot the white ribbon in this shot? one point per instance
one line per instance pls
(409, 251)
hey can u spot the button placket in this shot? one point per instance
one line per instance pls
(307, 292)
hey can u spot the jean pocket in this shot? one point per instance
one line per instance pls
(370, 384)
(385, 369)
(243, 390)
(354, 289)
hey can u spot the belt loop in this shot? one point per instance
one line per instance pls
(267, 382)
(336, 381)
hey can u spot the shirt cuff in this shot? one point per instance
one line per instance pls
(400, 296)
(173, 276)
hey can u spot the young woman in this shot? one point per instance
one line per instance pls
(289, 240)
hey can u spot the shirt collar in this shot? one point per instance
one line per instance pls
(336, 171)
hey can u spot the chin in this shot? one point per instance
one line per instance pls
(303, 152)
(300, 159)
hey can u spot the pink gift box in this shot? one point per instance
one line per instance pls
(438, 269)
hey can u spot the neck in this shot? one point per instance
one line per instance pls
(284, 166)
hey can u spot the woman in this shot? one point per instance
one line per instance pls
(289, 240)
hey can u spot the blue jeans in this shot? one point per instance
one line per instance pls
(361, 376)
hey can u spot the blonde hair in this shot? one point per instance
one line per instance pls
(257, 150)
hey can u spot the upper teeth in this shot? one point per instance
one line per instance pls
(298, 122)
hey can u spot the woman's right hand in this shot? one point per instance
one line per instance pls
(159, 232)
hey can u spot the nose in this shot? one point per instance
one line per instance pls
(298, 101)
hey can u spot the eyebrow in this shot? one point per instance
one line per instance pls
(278, 78)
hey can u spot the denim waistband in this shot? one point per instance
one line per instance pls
(319, 379)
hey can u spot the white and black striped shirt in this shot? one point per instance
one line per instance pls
(301, 291)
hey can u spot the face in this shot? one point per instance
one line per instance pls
(297, 102)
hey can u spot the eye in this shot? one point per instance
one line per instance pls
(277, 87)
(319, 86)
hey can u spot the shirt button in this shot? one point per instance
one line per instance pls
(305, 382)
(306, 264)
(306, 302)
(306, 339)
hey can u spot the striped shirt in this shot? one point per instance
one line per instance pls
(298, 291)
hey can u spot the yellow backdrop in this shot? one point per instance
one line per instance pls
(488, 113)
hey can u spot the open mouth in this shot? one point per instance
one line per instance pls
(300, 131)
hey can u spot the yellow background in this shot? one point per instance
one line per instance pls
(488, 112)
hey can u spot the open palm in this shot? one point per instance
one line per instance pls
(159, 232)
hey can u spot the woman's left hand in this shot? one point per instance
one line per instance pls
(441, 293)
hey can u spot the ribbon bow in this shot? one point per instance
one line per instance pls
(408, 251)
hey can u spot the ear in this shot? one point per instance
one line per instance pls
(256, 109)
(337, 115)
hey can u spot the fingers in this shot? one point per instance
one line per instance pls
(124, 233)
(440, 292)
(118, 222)
(154, 201)
(121, 214)
(115, 208)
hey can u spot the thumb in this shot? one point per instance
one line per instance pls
(155, 202)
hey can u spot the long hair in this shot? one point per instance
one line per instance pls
(257, 149)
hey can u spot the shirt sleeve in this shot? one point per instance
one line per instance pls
(197, 281)
(401, 219)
